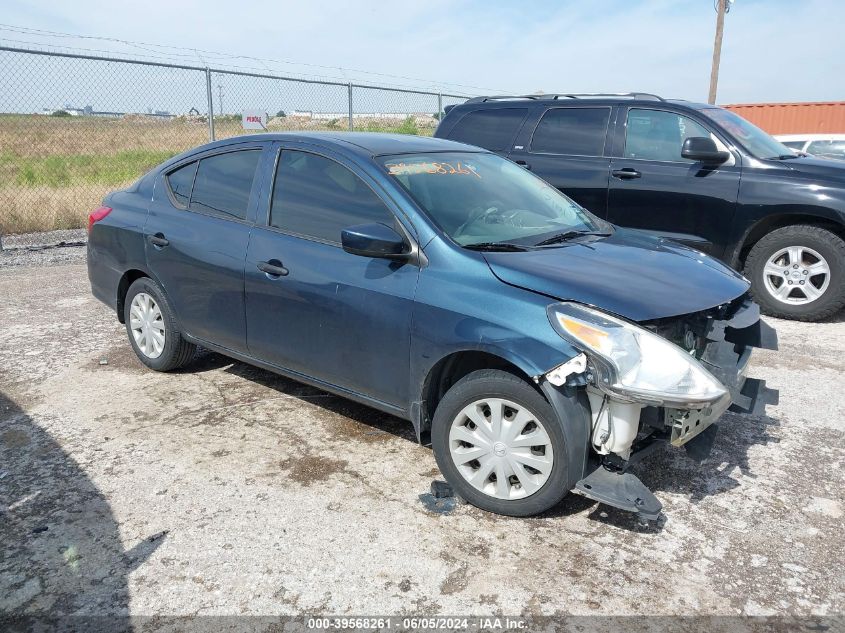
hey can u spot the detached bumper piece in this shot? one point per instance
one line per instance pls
(621, 490)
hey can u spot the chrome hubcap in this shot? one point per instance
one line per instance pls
(796, 275)
(501, 448)
(147, 325)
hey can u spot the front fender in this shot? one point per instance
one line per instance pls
(472, 311)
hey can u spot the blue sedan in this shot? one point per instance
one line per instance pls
(538, 348)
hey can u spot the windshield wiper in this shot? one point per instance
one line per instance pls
(496, 246)
(568, 235)
(785, 156)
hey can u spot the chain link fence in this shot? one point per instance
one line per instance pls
(74, 127)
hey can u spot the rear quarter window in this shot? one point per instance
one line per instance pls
(492, 129)
(574, 131)
(180, 182)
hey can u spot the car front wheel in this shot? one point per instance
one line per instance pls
(499, 444)
(798, 272)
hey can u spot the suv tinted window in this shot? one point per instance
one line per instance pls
(181, 181)
(490, 129)
(658, 135)
(576, 131)
(794, 144)
(318, 197)
(223, 183)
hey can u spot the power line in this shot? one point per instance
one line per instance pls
(200, 53)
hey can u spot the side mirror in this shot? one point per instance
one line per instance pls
(703, 149)
(374, 240)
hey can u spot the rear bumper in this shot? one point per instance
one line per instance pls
(103, 278)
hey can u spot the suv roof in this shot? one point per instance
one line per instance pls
(586, 96)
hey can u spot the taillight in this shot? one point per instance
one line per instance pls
(96, 215)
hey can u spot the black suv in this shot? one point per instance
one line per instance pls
(690, 172)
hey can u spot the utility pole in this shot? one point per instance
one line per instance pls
(722, 7)
(220, 97)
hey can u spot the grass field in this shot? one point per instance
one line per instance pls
(54, 170)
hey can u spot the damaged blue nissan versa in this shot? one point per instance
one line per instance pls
(539, 349)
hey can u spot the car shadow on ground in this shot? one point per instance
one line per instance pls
(61, 549)
(671, 470)
(667, 470)
(378, 421)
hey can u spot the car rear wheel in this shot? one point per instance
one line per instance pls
(152, 328)
(798, 272)
(499, 444)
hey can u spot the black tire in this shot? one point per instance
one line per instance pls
(827, 244)
(177, 352)
(493, 383)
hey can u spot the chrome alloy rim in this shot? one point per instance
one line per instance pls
(501, 448)
(796, 275)
(147, 325)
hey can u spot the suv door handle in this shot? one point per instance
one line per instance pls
(522, 163)
(626, 173)
(158, 240)
(273, 268)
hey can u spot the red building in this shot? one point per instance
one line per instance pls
(794, 118)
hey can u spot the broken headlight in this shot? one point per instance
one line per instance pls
(634, 363)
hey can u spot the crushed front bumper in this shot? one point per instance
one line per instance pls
(722, 339)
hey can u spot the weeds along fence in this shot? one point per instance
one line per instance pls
(73, 127)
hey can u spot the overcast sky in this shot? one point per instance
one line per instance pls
(774, 50)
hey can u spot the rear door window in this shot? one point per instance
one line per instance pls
(180, 182)
(492, 129)
(317, 197)
(573, 131)
(223, 183)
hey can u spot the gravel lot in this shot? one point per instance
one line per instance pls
(224, 489)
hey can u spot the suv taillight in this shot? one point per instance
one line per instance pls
(96, 215)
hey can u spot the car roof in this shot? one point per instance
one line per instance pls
(810, 137)
(363, 143)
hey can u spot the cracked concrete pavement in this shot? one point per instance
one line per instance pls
(224, 489)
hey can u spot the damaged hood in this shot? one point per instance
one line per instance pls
(635, 276)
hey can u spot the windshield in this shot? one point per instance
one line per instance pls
(753, 138)
(483, 198)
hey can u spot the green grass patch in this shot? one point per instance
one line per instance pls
(62, 171)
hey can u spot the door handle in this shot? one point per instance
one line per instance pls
(158, 240)
(626, 173)
(273, 268)
(522, 163)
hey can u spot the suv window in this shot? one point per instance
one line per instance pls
(658, 134)
(575, 131)
(180, 182)
(794, 144)
(491, 129)
(317, 197)
(827, 149)
(223, 183)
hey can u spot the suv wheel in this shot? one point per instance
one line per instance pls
(499, 444)
(152, 328)
(798, 272)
